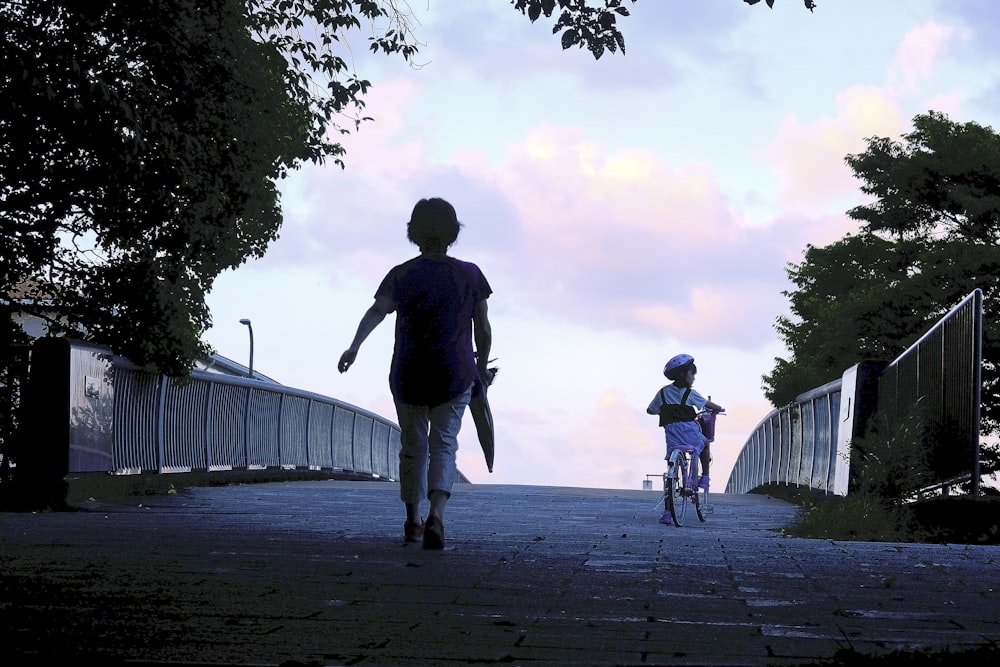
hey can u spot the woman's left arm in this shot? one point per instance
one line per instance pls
(483, 335)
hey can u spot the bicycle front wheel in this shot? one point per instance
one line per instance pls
(701, 503)
(673, 490)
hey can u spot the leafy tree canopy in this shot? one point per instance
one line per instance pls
(140, 146)
(594, 28)
(928, 238)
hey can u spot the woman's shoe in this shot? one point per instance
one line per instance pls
(433, 533)
(413, 532)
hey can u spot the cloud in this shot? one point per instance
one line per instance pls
(920, 54)
(619, 443)
(499, 46)
(730, 314)
(808, 158)
(616, 238)
(560, 223)
(623, 238)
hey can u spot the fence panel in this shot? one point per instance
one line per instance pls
(362, 444)
(136, 421)
(264, 429)
(936, 383)
(937, 380)
(185, 427)
(807, 447)
(793, 445)
(227, 414)
(394, 448)
(220, 422)
(343, 439)
(320, 435)
(294, 431)
(381, 450)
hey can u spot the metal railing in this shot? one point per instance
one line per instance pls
(212, 422)
(88, 410)
(938, 380)
(808, 443)
(797, 444)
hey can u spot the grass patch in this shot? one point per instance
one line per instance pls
(985, 654)
(868, 518)
(890, 466)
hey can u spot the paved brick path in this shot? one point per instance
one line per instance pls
(316, 572)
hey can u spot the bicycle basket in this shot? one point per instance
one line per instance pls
(706, 420)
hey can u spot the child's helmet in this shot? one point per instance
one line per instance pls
(678, 366)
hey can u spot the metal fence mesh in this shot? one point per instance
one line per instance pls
(938, 379)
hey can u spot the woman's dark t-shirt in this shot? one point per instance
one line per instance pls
(433, 360)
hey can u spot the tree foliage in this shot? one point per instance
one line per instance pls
(140, 146)
(810, 5)
(929, 236)
(594, 28)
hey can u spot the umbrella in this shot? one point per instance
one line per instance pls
(479, 406)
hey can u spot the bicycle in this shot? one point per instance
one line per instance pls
(681, 480)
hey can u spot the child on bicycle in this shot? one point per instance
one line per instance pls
(677, 405)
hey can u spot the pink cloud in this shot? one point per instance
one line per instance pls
(564, 225)
(920, 53)
(626, 239)
(808, 158)
(714, 312)
(376, 149)
(574, 195)
(619, 443)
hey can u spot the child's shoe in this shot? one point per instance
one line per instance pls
(703, 482)
(665, 518)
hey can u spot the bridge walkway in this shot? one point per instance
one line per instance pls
(317, 573)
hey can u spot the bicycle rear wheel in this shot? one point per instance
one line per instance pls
(673, 488)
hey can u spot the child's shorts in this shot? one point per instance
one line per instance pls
(686, 436)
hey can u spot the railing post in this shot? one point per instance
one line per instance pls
(161, 426)
(977, 343)
(207, 441)
(281, 430)
(246, 429)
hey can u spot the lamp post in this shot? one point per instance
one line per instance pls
(250, 329)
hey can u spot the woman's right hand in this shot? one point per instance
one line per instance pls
(346, 359)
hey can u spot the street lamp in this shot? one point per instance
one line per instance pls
(250, 329)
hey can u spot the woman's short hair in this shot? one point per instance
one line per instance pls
(433, 223)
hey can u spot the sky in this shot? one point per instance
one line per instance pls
(624, 210)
